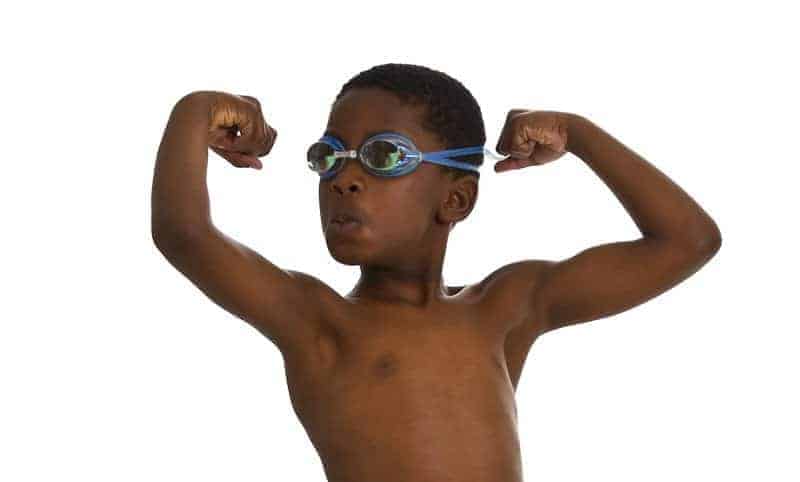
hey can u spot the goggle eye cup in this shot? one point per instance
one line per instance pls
(383, 155)
(320, 156)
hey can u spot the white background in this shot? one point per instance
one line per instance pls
(115, 367)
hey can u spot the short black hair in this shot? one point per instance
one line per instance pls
(452, 112)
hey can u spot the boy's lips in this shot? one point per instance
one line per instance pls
(345, 221)
(344, 227)
(345, 218)
(345, 215)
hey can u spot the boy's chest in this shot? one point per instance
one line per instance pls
(434, 350)
(400, 354)
(426, 383)
(379, 342)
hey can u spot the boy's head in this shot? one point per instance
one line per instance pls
(406, 217)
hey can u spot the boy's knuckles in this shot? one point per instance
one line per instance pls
(253, 100)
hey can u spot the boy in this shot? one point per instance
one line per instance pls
(405, 378)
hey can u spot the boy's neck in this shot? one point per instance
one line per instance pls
(418, 285)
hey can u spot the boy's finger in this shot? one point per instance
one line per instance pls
(226, 155)
(502, 142)
(250, 144)
(268, 136)
(511, 163)
(507, 131)
(238, 159)
(245, 160)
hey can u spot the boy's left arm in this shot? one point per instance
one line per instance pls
(678, 236)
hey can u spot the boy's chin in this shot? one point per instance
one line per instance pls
(348, 260)
(349, 255)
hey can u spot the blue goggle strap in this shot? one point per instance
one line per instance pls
(443, 157)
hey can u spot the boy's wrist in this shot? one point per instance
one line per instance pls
(194, 110)
(577, 128)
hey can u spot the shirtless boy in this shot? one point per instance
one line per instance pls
(406, 379)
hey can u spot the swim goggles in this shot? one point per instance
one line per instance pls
(387, 154)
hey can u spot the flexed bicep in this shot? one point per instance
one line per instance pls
(610, 278)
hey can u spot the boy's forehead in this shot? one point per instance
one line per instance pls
(361, 113)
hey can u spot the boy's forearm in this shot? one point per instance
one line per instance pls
(658, 206)
(180, 203)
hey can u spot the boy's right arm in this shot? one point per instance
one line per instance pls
(285, 306)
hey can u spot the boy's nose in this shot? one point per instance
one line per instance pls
(350, 178)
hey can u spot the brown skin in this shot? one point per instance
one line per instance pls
(405, 378)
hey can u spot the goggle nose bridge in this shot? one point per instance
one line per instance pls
(351, 154)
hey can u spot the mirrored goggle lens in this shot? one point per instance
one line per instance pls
(383, 155)
(320, 157)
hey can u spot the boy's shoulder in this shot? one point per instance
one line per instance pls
(515, 278)
(512, 288)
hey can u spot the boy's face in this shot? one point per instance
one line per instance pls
(395, 214)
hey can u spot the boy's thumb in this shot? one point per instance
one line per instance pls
(507, 164)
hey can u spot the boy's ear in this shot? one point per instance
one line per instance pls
(460, 198)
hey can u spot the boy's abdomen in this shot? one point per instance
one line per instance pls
(440, 408)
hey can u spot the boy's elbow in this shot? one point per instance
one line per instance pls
(707, 247)
(710, 244)
(715, 243)
(170, 240)
(704, 239)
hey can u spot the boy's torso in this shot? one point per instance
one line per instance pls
(400, 394)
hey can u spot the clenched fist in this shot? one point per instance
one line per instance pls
(237, 130)
(532, 138)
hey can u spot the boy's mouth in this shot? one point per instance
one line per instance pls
(345, 222)
(345, 218)
(346, 214)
